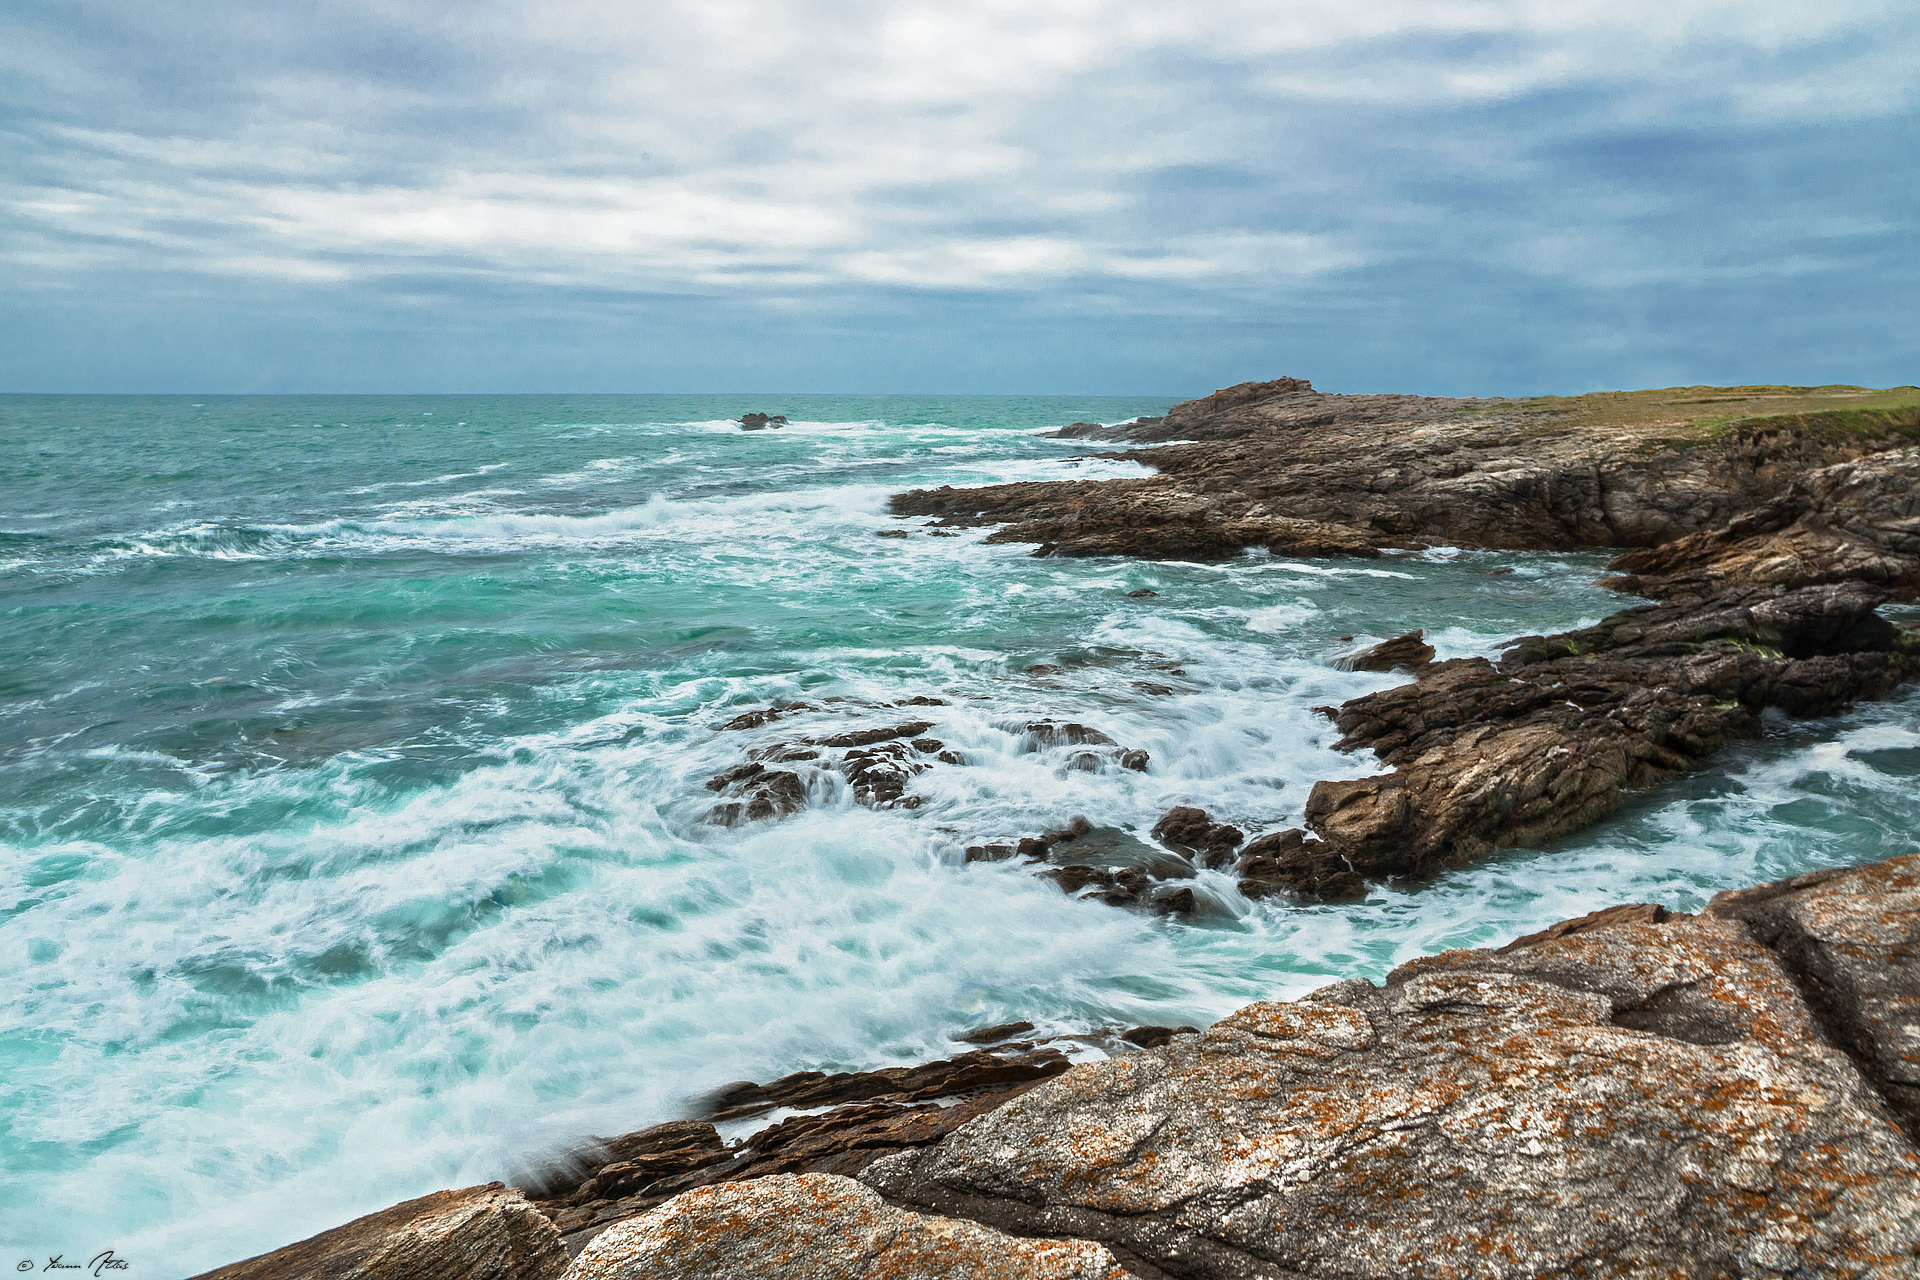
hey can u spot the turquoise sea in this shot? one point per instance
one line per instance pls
(353, 834)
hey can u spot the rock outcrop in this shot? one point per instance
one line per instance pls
(847, 1120)
(816, 1226)
(1637, 1092)
(1548, 739)
(1280, 466)
(761, 421)
(1647, 1097)
(1857, 521)
(487, 1232)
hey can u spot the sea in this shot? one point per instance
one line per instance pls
(354, 834)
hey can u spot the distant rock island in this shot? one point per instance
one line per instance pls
(1637, 1092)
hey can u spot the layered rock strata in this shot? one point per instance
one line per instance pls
(1281, 466)
(1550, 738)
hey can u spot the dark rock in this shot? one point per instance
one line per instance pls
(1192, 832)
(989, 852)
(1154, 1037)
(1548, 740)
(487, 1232)
(1143, 591)
(767, 715)
(892, 533)
(761, 421)
(1287, 862)
(1044, 669)
(1135, 759)
(1173, 901)
(994, 1034)
(767, 794)
(1044, 733)
(1409, 652)
(867, 737)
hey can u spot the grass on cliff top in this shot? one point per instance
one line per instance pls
(1680, 417)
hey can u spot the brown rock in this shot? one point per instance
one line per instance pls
(487, 1232)
(1409, 652)
(821, 1227)
(1633, 1099)
(1192, 832)
(1548, 740)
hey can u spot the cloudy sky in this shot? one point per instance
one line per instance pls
(1126, 196)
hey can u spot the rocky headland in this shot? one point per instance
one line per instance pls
(1770, 523)
(1638, 1092)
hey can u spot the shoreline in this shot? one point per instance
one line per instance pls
(1779, 538)
(1659, 1066)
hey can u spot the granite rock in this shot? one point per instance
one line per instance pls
(821, 1227)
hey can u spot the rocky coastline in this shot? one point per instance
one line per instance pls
(1637, 1092)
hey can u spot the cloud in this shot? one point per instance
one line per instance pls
(1130, 154)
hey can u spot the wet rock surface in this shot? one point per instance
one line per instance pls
(1409, 652)
(1632, 1097)
(877, 756)
(487, 1232)
(761, 421)
(846, 1121)
(1104, 864)
(1549, 738)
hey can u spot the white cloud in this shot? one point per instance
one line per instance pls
(755, 144)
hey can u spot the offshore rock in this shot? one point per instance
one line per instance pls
(1409, 652)
(1548, 740)
(1195, 834)
(487, 1232)
(1637, 1097)
(821, 1227)
(1288, 862)
(761, 421)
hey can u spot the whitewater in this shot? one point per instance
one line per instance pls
(354, 835)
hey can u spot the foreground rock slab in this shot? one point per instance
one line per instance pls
(1639, 1097)
(487, 1232)
(820, 1227)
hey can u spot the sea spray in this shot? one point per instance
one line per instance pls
(353, 787)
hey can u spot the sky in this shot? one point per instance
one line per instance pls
(1132, 197)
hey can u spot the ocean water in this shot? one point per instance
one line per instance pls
(353, 834)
